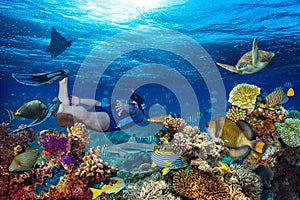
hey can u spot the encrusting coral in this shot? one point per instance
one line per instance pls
(200, 185)
(244, 95)
(289, 131)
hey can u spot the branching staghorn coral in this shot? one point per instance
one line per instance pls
(289, 131)
(244, 95)
(200, 185)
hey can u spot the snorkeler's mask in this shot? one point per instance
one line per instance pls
(138, 100)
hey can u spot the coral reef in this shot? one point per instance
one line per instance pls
(79, 132)
(295, 114)
(244, 95)
(289, 131)
(10, 143)
(244, 180)
(152, 190)
(236, 113)
(200, 185)
(172, 126)
(279, 114)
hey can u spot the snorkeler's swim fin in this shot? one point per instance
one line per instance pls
(51, 111)
(41, 78)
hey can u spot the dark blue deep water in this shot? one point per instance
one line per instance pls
(225, 29)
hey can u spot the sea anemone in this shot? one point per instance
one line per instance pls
(244, 95)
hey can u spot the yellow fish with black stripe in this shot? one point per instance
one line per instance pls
(237, 136)
(114, 186)
(167, 159)
(30, 110)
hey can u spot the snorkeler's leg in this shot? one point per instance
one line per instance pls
(98, 121)
(63, 94)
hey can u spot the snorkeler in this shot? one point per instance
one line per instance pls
(100, 117)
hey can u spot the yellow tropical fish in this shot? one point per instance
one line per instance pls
(237, 136)
(167, 159)
(115, 185)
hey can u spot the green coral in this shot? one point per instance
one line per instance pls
(289, 131)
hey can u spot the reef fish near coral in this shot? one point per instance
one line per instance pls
(237, 136)
(167, 159)
(278, 96)
(30, 110)
(24, 161)
(115, 185)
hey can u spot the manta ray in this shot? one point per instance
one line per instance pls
(58, 43)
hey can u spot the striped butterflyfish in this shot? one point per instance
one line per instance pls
(167, 160)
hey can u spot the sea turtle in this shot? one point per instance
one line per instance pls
(251, 62)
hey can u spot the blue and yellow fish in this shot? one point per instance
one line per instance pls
(115, 185)
(277, 97)
(167, 159)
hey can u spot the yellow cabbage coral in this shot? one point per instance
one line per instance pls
(244, 95)
(200, 185)
(289, 131)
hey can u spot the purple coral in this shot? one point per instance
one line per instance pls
(69, 160)
(53, 141)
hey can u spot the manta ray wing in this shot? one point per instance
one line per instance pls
(58, 44)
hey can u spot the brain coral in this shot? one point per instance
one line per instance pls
(200, 185)
(244, 95)
(289, 131)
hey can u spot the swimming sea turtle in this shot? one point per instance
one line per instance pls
(251, 62)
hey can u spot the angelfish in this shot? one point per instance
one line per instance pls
(30, 110)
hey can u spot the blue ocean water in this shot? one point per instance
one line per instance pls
(224, 29)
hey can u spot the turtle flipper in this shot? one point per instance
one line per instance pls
(228, 67)
(254, 52)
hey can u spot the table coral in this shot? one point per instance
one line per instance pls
(289, 131)
(200, 185)
(244, 95)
